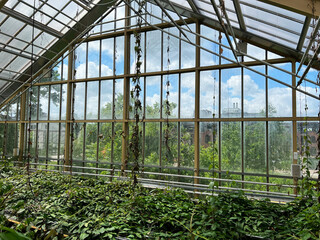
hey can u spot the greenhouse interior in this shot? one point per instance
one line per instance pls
(159, 119)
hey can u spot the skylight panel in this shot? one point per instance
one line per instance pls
(11, 26)
(183, 3)
(24, 9)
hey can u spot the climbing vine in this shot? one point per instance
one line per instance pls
(134, 145)
(167, 110)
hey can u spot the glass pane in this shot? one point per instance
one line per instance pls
(255, 147)
(132, 100)
(42, 139)
(209, 94)
(308, 106)
(280, 148)
(92, 99)
(133, 53)
(153, 94)
(231, 92)
(117, 143)
(12, 111)
(119, 55)
(105, 142)
(152, 143)
(57, 71)
(80, 61)
(231, 146)
(43, 102)
(169, 152)
(79, 100)
(254, 90)
(207, 58)
(53, 145)
(188, 51)
(106, 99)
(93, 59)
(55, 102)
(170, 49)
(307, 134)
(34, 103)
(187, 144)
(256, 52)
(32, 137)
(187, 95)
(107, 53)
(153, 51)
(209, 137)
(91, 141)
(62, 140)
(12, 132)
(279, 100)
(65, 66)
(118, 99)
(64, 101)
(173, 90)
(78, 131)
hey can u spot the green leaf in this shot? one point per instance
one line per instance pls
(83, 236)
(11, 234)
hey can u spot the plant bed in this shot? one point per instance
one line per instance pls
(91, 208)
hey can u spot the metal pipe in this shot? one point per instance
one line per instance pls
(315, 57)
(171, 175)
(177, 184)
(313, 36)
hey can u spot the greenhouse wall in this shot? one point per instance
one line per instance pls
(238, 124)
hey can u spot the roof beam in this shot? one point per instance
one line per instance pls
(2, 3)
(9, 79)
(303, 7)
(193, 6)
(30, 21)
(15, 53)
(237, 7)
(303, 33)
(313, 37)
(225, 30)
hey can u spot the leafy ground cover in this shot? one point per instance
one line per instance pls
(91, 208)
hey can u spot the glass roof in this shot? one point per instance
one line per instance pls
(28, 28)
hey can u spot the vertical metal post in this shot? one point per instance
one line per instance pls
(126, 95)
(294, 122)
(67, 140)
(23, 103)
(197, 109)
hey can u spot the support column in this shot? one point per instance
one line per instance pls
(126, 95)
(197, 109)
(68, 111)
(22, 125)
(294, 124)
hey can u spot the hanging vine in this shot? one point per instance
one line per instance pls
(167, 105)
(134, 145)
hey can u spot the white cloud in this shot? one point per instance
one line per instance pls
(93, 70)
(65, 70)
